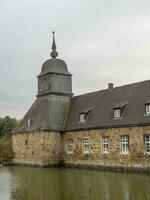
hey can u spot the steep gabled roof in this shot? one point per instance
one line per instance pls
(103, 102)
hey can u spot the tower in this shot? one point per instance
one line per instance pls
(37, 140)
(54, 78)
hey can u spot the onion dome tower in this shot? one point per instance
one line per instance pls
(48, 112)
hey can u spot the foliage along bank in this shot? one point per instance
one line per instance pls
(7, 124)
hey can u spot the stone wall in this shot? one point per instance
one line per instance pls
(51, 148)
(37, 148)
(135, 159)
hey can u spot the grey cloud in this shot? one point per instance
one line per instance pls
(101, 40)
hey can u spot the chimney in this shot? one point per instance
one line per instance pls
(110, 86)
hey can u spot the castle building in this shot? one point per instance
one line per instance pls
(104, 129)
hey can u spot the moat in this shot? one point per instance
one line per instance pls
(28, 183)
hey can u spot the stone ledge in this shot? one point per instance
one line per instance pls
(109, 168)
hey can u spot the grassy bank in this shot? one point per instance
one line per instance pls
(6, 153)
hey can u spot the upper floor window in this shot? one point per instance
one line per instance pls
(125, 144)
(70, 146)
(82, 117)
(104, 144)
(147, 143)
(119, 110)
(117, 113)
(29, 122)
(147, 109)
(86, 145)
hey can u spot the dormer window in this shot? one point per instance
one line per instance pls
(119, 110)
(117, 113)
(147, 109)
(82, 117)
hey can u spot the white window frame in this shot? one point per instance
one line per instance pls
(125, 144)
(70, 145)
(86, 145)
(82, 117)
(117, 113)
(147, 144)
(147, 109)
(105, 144)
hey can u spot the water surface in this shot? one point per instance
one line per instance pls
(28, 183)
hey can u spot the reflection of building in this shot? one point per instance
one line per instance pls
(107, 128)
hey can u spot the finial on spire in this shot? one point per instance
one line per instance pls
(54, 53)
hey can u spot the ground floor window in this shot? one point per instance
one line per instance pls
(26, 142)
(125, 144)
(104, 144)
(70, 146)
(86, 145)
(147, 143)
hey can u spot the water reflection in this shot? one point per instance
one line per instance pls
(5, 184)
(23, 183)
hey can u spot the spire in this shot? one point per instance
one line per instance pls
(54, 53)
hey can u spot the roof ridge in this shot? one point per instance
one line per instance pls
(135, 83)
(129, 84)
(90, 93)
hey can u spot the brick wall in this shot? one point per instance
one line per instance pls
(38, 148)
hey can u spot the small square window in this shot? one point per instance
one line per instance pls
(147, 109)
(86, 145)
(117, 113)
(82, 117)
(147, 143)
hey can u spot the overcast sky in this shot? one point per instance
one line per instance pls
(101, 41)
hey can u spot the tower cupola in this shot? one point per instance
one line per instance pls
(54, 77)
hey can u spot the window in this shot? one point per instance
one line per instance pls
(70, 146)
(125, 144)
(117, 113)
(29, 122)
(147, 108)
(82, 117)
(104, 144)
(119, 110)
(147, 143)
(26, 142)
(86, 145)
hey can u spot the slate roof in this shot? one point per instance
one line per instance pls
(54, 66)
(46, 114)
(102, 104)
